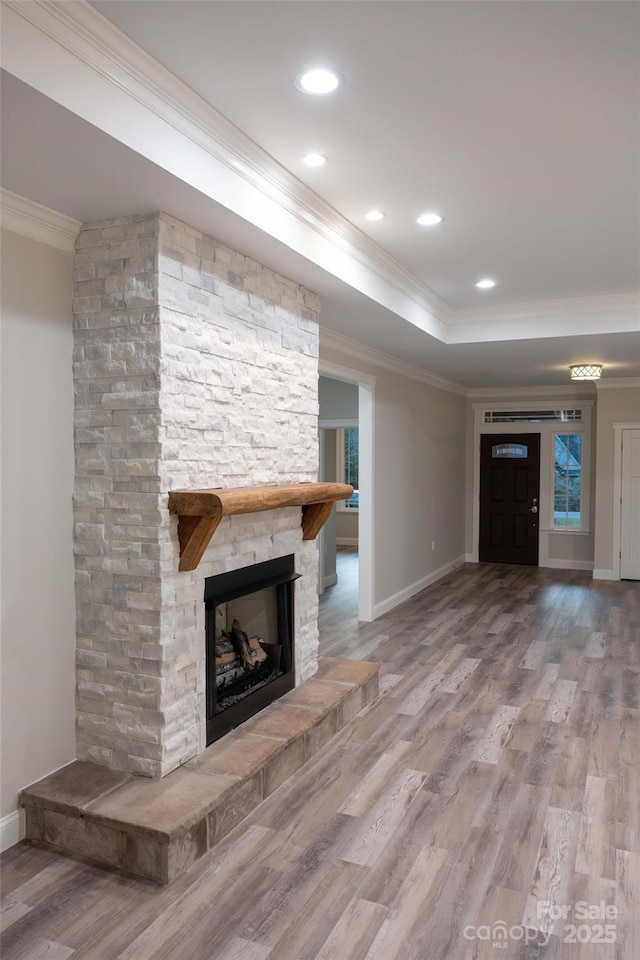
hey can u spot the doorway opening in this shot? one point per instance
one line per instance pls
(346, 454)
(339, 462)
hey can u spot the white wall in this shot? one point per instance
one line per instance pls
(37, 581)
(418, 481)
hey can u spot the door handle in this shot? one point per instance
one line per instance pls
(534, 508)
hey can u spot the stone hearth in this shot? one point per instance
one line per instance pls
(157, 828)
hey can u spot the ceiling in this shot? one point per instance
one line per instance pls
(519, 122)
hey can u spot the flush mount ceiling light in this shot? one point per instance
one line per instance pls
(485, 284)
(376, 215)
(318, 81)
(314, 160)
(586, 371)
(429, 219)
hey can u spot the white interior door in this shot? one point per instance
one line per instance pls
(630, 506)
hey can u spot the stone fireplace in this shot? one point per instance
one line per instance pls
(194, 367)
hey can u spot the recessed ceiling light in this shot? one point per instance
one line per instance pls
(315, 160)
(429, 219)
(318, 81)
(485, 284)
(376, 215)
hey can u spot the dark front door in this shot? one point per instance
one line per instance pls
(509, 497)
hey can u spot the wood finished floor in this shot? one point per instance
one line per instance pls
(498, 771)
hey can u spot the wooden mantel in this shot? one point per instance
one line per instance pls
(200, 511)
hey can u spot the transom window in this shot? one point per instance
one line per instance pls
(532, 416)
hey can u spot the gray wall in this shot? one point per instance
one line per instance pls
(347, 527)
(38, 605)
(338, 399)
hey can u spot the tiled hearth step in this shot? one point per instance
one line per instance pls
(157, 828)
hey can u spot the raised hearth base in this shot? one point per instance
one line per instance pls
(157, 828)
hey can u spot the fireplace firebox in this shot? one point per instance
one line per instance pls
(249, 641)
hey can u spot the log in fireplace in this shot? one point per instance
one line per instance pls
(250, 641)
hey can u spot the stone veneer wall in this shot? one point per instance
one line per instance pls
(194, 367)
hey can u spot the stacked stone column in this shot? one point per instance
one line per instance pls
(194, 366)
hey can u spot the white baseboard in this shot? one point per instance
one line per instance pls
(10, 830)
(386, 605)
(561, 565)
(346, 541)
(567, 564)
(330, 580)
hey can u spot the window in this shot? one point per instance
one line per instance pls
(347, 464)
(512, 451)
(532, 416)
(567, 480)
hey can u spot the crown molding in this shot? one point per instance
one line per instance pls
(619, 383)
(583, 392)
(37, 222)
(352, 348)
(83, 32)
(614, 303)
(579, 316)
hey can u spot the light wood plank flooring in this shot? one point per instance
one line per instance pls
(338, 620)
(470, 811)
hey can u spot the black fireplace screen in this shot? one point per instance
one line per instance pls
(249, 636)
